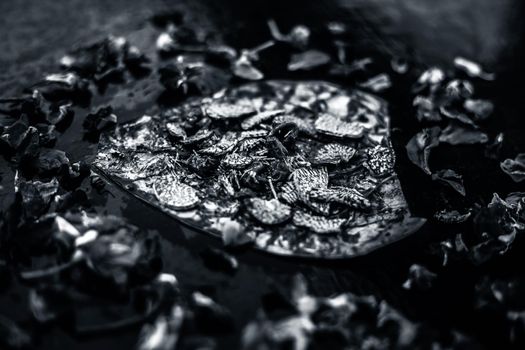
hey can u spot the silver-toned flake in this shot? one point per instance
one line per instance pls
(317, 224)
(198, 137)
(330, 125)
(237, 161)
(305, 126)
(334, 153)
(225, 110)
(380, 160)
(259, 118)
(177, 195)
(343, 195)
(269, 212)
(306, 179)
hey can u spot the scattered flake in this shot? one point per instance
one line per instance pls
(399, 65)
(308, 60)
(426, 109)
(492, 150)
(515, 168)
(37, 196)
(243, 68)
(472, 69)
(459, 135)
(459, 89)
(298, 37)
(496, 227)
(451, 216)
(419, 278)
(481, 109)
(420, 145)
(431, 77)
(451, 178)
(163, 333)
(378, 83)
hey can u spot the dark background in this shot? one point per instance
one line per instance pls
(35, 34)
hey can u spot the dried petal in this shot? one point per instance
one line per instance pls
(420, 145)
(452, 178)
(459, 135)
(515, 168)
(308, 60)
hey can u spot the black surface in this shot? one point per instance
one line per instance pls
(39, 32)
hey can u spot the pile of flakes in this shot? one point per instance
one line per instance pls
(299, 168)
(345, 321)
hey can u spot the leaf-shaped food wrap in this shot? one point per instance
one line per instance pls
(299, 182)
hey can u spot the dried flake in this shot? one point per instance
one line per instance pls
(176, 131)
(269, 212)
(317, 224)
(334, 126)
(419, 278)
(378, 83)
(243, 68)
(298, 37)
(237, 161)
(451, 178)
(459, 135)
(198, 137)
(306, 179)
(380, 160)
(334, 154)
(342, 195)
(481, 109)
(308, 60)
(420, 145)
(178, 196)
(306, 126)
(426, 109)
(515, 168)
(451, 216)
(258, 118)
(472, 69)
(229, 110)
